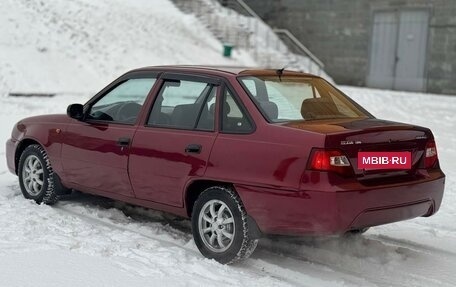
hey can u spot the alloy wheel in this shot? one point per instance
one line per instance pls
(216, 225)
(33, 175)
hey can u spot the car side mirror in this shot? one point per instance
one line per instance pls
(76, 111)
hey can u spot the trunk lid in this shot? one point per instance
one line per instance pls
(374, 135)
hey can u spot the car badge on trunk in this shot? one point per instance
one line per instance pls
(350, 142)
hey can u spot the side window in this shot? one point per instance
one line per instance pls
(206, 121)
(123, 103)
(234, 119)
(250, 85)
(184, 105)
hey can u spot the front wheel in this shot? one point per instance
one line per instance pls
(220, 228)
(36, 175)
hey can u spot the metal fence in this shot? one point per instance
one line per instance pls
(234, 22)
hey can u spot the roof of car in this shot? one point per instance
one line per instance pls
(231, 70)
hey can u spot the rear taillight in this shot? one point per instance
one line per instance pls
(430, 157)
(330, 160)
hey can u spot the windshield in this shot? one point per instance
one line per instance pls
(292, 98)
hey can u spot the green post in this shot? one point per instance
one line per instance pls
(227, 49)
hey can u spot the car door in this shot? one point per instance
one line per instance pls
(174, 145)
(95, 151)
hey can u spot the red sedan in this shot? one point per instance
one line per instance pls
(242, 152)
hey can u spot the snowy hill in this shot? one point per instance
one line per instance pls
(81, 45)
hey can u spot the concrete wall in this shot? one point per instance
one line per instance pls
(339, 33)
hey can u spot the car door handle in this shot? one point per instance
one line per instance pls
(123, 142)
(193, 148)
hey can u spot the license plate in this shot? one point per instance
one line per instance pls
(384, 160)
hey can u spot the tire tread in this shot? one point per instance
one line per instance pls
(50, 196)
(248, 244)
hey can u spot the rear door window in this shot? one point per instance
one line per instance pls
(234, 119)
(184, 105)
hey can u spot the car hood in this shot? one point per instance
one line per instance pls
(57, 118)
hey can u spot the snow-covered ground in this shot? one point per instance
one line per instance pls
(74, 48)
(89, 241)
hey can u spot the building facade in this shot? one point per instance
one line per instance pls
(389, 44)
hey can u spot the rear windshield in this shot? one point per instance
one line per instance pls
(293, 98)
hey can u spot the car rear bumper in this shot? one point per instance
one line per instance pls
(11, 145)
(337, 209)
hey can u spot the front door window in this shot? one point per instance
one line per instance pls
(123, 103)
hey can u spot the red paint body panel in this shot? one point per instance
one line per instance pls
(268, 167)
(11, 146)
(250, 159)
(179, 211)
(92, 158)
(334, 209)
(41, 129)
(159, 166)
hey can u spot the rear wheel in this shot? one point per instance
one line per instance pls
(36, 177)
(220, 228)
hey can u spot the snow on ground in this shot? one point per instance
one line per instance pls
(89, 241)
(74, 48)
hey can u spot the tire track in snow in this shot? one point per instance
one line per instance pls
(181, 229)
(349, 258)
(388, 262)
(371, 260)
(173, 232)
(414, 246)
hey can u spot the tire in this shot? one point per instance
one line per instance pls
(36, 177)
(211, 237)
